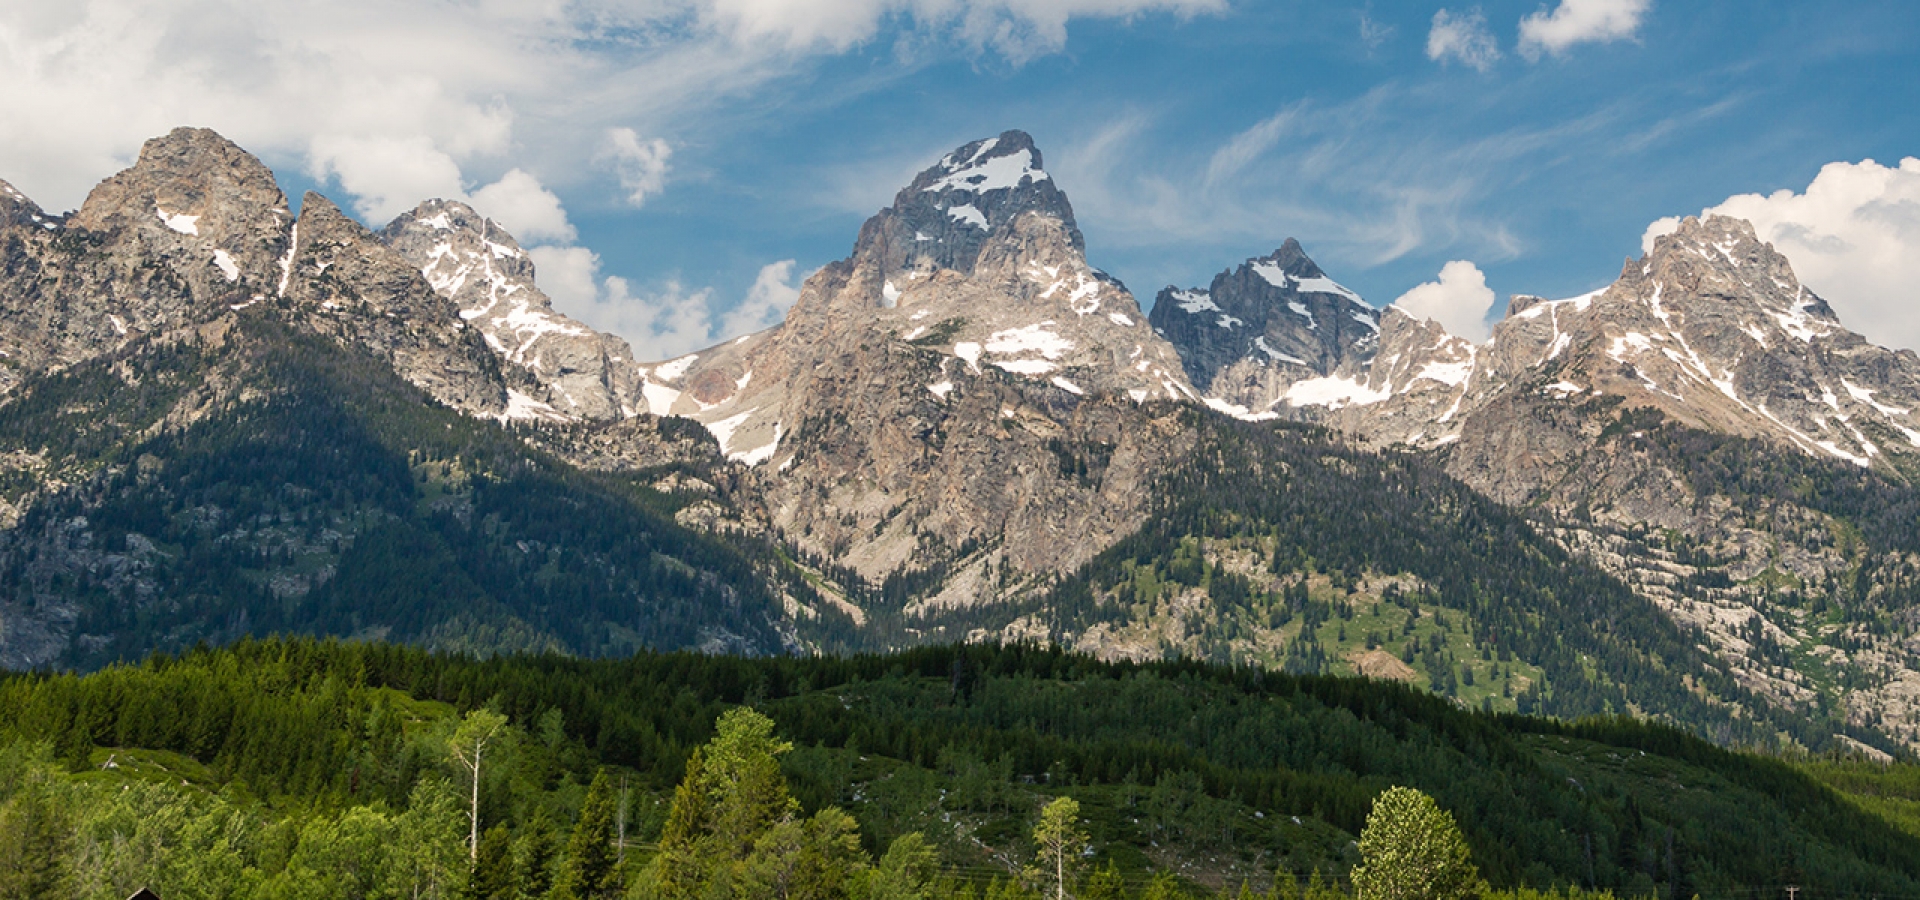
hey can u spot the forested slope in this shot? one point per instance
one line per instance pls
(265, 757)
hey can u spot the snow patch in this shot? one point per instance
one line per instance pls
(1260, 343)
(1120, 319)
(1332, 392)
(941, 388)
(1227, 321)
(1300, 309)
(1029, 367)
(1037, 338)
(890, 293)
(182, 222)
(522, 407)
(224, 262)
(1068, 386)
(969, 351)
(1866, 396)
(979, 174)
(760, 454)
(1194, 301)
(659, 397)
(1453, 374)
(672, 370)
(968, 215)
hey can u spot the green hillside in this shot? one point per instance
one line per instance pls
(256, 766)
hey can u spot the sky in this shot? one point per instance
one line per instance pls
(677, 167)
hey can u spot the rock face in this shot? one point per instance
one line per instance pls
(928, 396)
(1262, 327)
(345, 283)
(196, 225)
(470, 260)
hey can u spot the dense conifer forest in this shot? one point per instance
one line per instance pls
(307, 768)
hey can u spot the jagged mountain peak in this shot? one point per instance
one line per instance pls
(949, 212)
(1264, 325)
(474, 262)
(192, 182)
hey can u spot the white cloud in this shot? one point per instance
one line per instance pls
(525, 208)
(1853, 237)
(767, 302)
(668, 321)
(404, 99)
(1459, 301)
(1463, 38)
(1579, 21)
(386, 176)
(641, 165)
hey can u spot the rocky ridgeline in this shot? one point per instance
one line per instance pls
(468, 259)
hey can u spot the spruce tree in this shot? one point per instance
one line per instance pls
(589, 872)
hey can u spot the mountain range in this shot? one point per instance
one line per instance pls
(1688, 495)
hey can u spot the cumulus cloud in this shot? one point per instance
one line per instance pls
(1853, 237)
(667, 320)
(525, 208)
(640, 164)
(1459, 301)
(772, 294)
(386, 176)
(1579, 21)
(1462, 38)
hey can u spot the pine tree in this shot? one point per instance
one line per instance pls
(492, 876)
(589, 872)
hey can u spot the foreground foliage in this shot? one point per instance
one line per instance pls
(309, 769)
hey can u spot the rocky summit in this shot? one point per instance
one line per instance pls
(908, 408)
(1689, 494)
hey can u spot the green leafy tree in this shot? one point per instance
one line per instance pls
(423, 856)
(1104, 884)
(1059, 839)
(1412, 850)
(590, 871)
(905, 872)
(533, 858)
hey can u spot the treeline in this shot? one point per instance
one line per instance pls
(1241, 772)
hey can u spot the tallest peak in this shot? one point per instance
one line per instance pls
(952, 208)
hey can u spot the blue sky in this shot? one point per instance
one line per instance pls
(687, 149)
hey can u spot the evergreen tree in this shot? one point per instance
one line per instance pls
(492, 875)
(589, 871)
